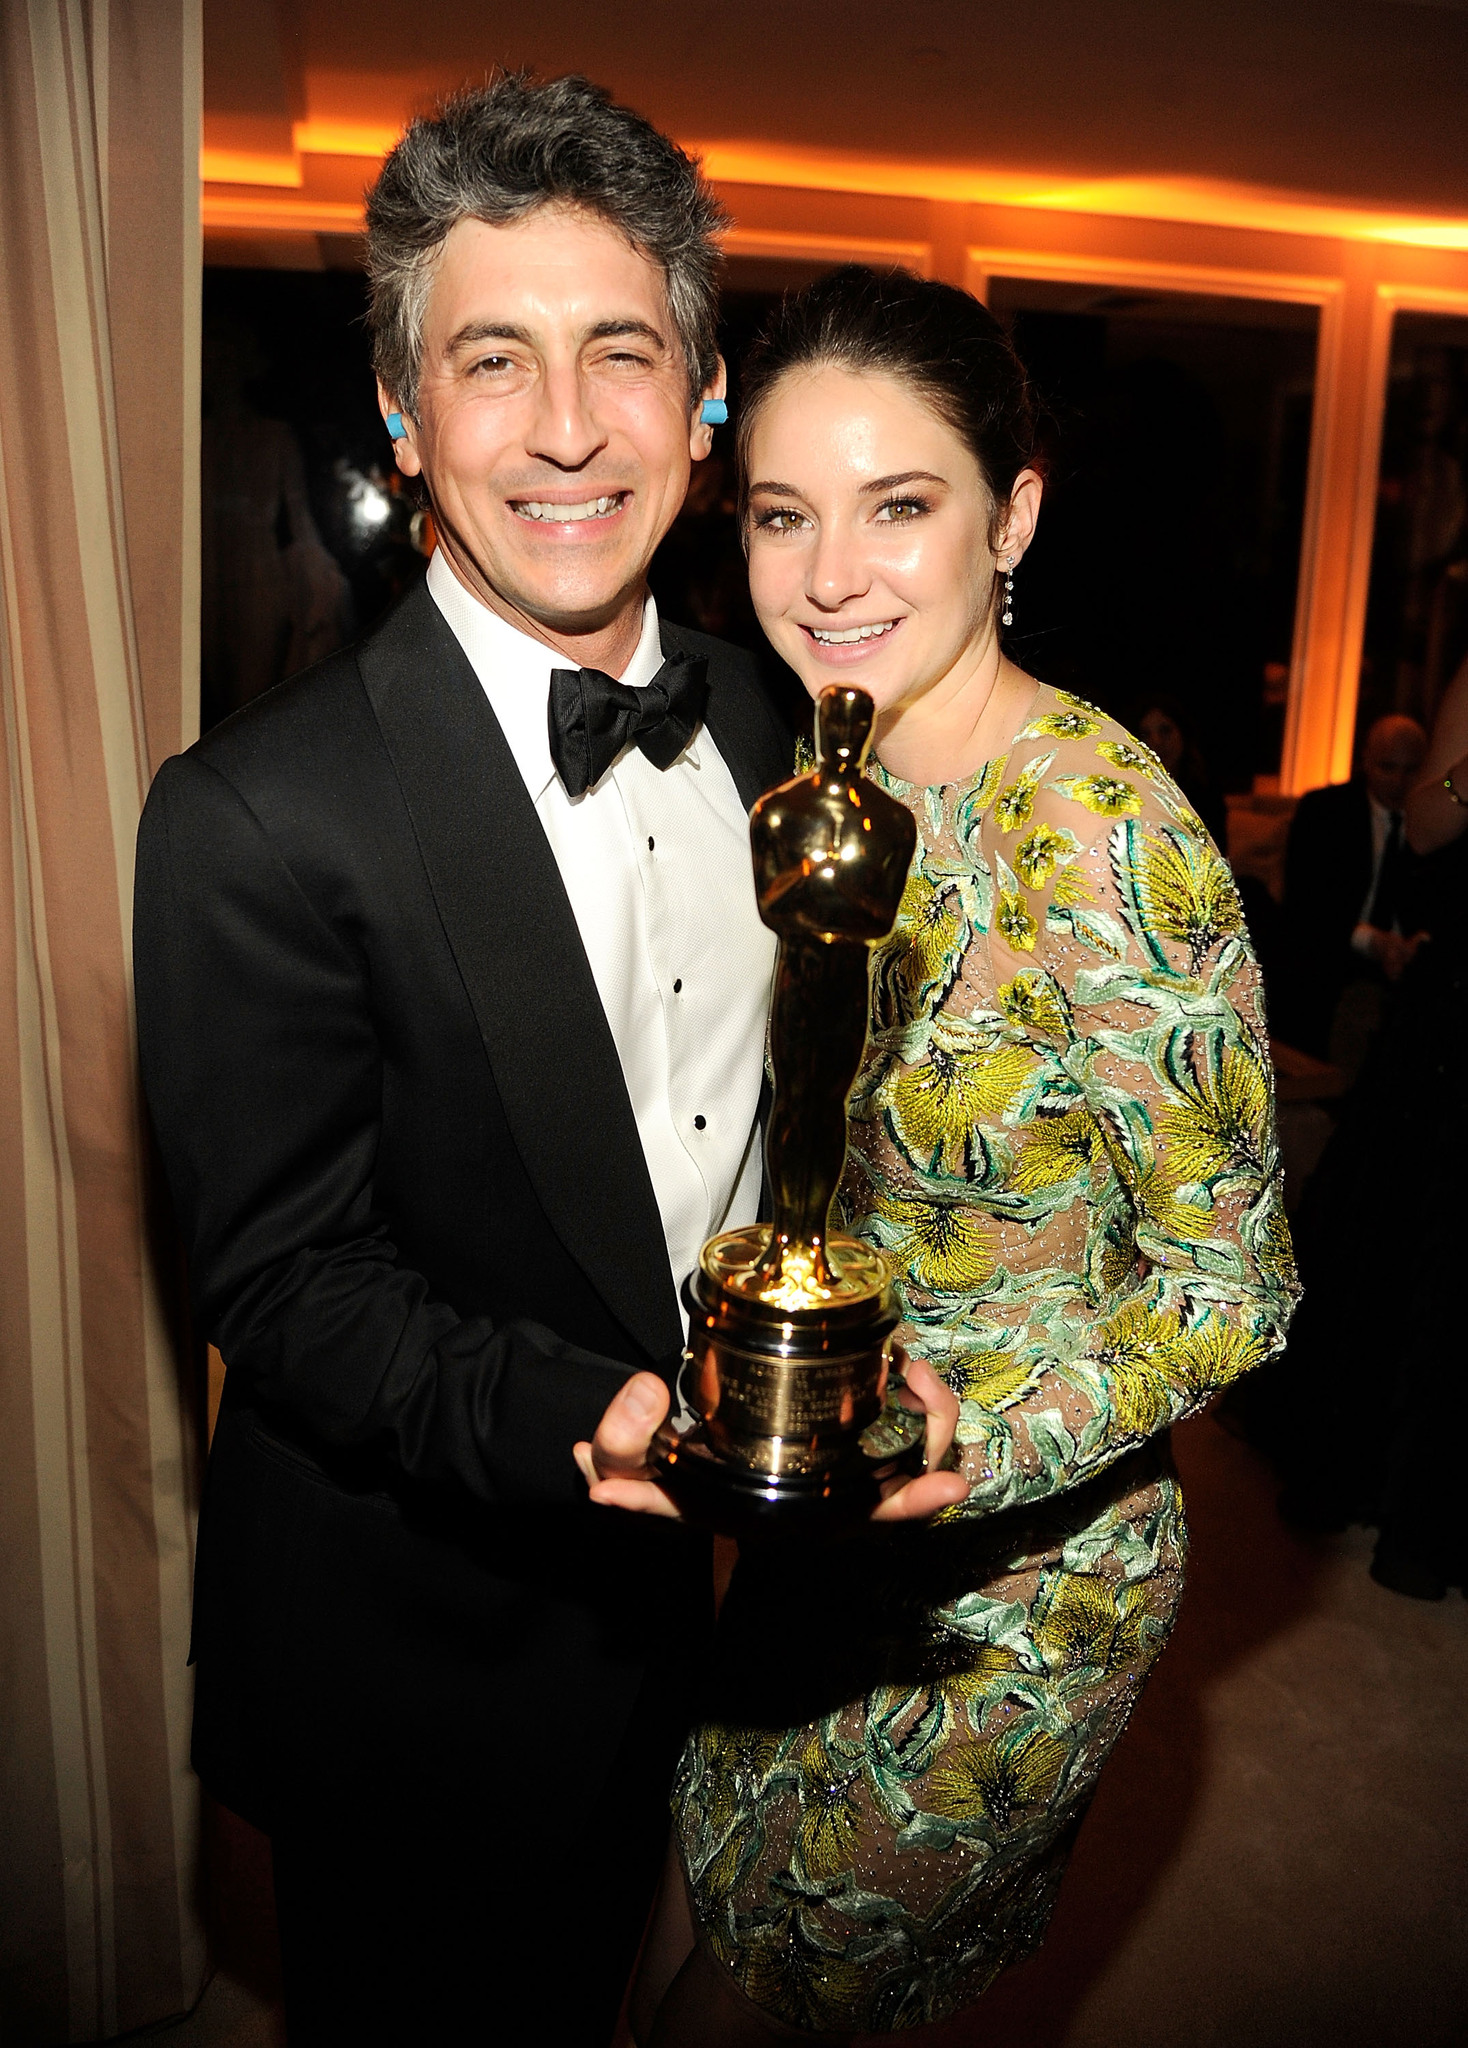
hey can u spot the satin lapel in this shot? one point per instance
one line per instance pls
(510, 925)
(755, 746)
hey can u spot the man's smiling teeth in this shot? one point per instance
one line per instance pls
(852, 633)
(594, 508)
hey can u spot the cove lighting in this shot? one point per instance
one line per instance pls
(345, 138)
(1192, 202)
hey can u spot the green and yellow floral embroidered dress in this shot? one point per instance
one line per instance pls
(1063, 1138)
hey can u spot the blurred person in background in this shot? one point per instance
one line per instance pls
(698, 572)
(272, 598)
(1352, 915)
(1162, 722)
(1375, 1357)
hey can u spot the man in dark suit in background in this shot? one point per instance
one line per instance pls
(1348, 913)
(451, 1001)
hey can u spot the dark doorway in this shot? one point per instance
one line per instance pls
(308, 534)
(1165, 569)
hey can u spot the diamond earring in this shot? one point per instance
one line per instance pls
(1007, 617)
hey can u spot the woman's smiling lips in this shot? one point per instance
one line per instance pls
(839, 646)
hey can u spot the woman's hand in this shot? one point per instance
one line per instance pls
(617, 1471)
(914, 1500)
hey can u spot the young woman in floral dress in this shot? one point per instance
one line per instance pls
(1063, 1139)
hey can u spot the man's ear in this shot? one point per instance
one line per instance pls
(701, 434)
(403, 428)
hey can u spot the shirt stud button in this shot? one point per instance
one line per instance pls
(649, 842)
(699, 1122)
(678, 986)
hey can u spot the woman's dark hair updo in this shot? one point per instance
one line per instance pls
(939, 341)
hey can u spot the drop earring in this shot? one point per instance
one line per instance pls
(1007, 616)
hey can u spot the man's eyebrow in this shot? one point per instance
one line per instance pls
(488, 330)
(608, 330)
(908, 476)
(474, 331)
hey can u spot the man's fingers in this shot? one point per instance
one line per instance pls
(624, 1435)
(920, 1498)
(639, 1495)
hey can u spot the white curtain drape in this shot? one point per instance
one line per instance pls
(99, 315)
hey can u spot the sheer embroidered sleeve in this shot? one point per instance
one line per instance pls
(1067, 1139)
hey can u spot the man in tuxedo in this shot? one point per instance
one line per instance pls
(1349, 894)
(451, 1003)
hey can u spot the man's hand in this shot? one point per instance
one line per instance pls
(1400, 952)
(615, 1464)
(1392, 951)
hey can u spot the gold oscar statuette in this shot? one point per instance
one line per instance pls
(786, 1368)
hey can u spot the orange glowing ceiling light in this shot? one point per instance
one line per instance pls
(1194, 202)
(327, 137)
(249, 167)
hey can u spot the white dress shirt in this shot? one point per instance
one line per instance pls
(657, 867)
(1363, 938)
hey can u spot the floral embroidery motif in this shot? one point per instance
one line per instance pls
(1131, 754)
(1014, 805)
(1109, 796)
(1041, 851)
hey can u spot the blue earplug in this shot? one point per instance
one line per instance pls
(395, 426)
(715, 413)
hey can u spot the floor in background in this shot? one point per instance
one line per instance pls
(1277, 1856)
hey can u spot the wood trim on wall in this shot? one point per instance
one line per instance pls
(1386, 302)
(1141, 274)
(783, 246)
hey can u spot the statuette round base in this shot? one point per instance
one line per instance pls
(786, 1375)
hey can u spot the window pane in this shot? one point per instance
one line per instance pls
(1167, 560)
(1417, 612)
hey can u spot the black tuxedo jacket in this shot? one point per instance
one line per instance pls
(1328, 863)
(421, 1231)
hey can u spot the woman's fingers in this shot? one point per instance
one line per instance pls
(915, 1500)
(918, 1499)
(937, 1401)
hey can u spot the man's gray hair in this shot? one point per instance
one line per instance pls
(496, 154)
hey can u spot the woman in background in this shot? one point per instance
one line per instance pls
(1161, 721)
(1062, 1137)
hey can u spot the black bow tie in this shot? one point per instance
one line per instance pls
(593, 717)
